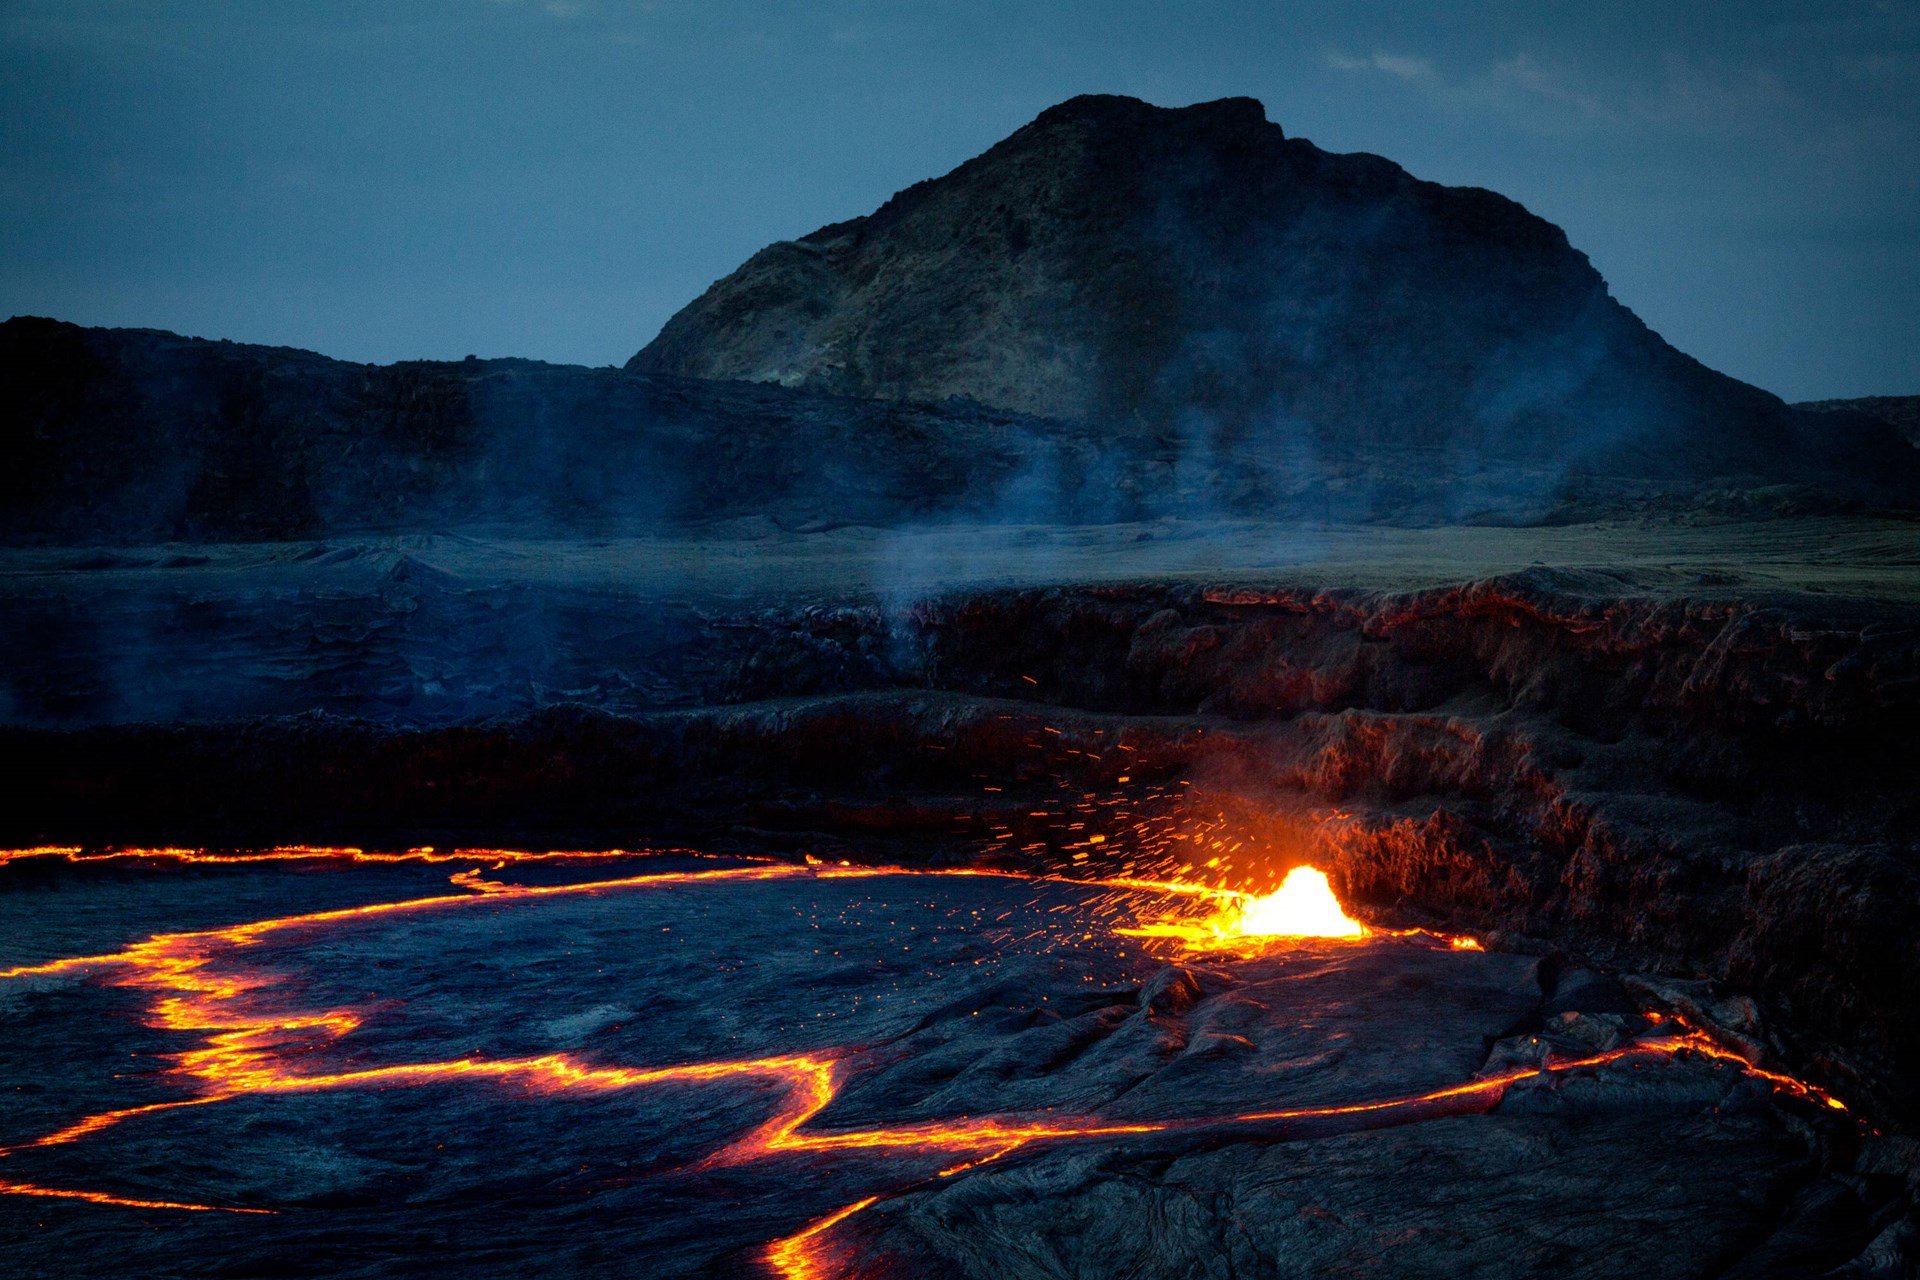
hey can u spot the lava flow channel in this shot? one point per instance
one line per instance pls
(247, 1048)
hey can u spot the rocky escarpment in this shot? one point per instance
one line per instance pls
(1196, 276)
(1713, 792)
(127, 435)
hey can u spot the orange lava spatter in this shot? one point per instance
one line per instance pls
(243, 1045)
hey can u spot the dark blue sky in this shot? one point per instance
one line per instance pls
(399, 178)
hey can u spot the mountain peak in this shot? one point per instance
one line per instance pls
(1110, 109)
(1192, 273)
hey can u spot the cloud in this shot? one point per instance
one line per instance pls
(553, 8)
(1529, 76)
(1713, 97)
(1391, 63)
(1539, 93)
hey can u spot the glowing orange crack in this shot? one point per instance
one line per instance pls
(93, 1124)
(101, 1197)
(342, 853)
(799, 1256)
(171, 949)
(803, 1256)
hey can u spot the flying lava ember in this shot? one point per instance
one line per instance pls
(247, 1033)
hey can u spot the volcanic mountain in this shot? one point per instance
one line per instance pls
(1195, 276)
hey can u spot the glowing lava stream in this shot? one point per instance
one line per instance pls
(310, 852)
(241, 1050)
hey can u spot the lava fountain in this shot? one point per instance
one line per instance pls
(1304, 906)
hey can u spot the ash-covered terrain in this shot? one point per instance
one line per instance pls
(1155, 496)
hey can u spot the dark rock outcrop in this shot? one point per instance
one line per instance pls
(1195, 275)
(1902, 413)
(134, 435)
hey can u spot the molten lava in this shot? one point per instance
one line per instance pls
(1302, 907)
(249, 1042)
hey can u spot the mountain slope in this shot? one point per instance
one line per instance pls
(1902, 413)
(1195, 276)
